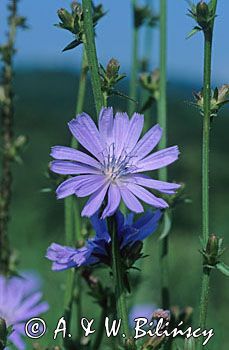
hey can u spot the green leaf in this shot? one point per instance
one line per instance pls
(167, 223)
(193, 32)
(223, 268)
(72, 45)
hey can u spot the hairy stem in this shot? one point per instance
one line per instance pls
(162, 120)
(134, 66)
(7, 115)
(118, 275)
(92, 55)
(208, 36)
(72, 212)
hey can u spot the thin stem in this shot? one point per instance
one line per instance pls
(162, 120)
(118, 275)
(100, 330)
(72, 213)
(134, 67)
(8, 139)
(148, 47)
(92, 55)
(208, 37)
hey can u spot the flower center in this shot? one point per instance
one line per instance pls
(117, 165)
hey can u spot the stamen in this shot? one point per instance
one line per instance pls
(116, 167)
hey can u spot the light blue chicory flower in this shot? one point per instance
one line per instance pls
(97, 249)
(20, 300)
(116, 165)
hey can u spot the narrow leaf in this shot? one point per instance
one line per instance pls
(166, 226)
(72, 45)
(193, 32)
(223, 268)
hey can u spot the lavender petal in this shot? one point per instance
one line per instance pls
(131, 201)
(71, 168)
(106, 123)
(148, 142)
(68, 153)
(91, 184)
(114, 198)
(158, 159)
(94, 201)
(162, 186)
(85, 131)
(147, 196)
(134, 132)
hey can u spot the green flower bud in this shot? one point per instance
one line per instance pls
(3, 333)
(202, 9)
(66, 18)
(64, 15)
(212, 246)
(112, 68)
(202, 15)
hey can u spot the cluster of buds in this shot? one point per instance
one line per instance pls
(144, 15)
(219, 97)
(73, 22)
(213, 251)
(204, 15)
(151, 83)
(110, 77)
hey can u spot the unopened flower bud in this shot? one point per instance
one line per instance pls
(202, 14)
(202, 9)
(3, 333)
(112, 68)
(223, 93)
(64, 15)
(212, 246)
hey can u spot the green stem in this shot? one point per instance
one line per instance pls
(147, 57)
(208, 36)
(118, 275)
(100, 330)
(92, 55)
(7, 114)
(72, 214)
(134, 67)
(162, 120)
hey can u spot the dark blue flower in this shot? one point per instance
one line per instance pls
(97, 249)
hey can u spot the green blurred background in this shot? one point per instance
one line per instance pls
(45, 101)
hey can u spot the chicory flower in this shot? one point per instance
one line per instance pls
(20, 301)
(98, 249)
(116, 165)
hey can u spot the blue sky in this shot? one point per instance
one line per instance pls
(41, 45)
